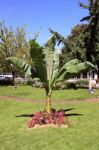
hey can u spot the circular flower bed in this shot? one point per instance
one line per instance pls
(55, 118)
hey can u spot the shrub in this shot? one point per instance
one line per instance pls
(6, 81)
(20, 81)
(64, 85)
(82, 83)
(70, 85)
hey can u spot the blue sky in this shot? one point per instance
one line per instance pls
(60, 15)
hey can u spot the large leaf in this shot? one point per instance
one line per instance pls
(71, 69)
(51, 43)
(50, 57)
(60, 72)
(67, 65)
(38, 58)
(85, 18)
(44, 60)
(55, 68)
(59, 37)
(83, 5)
(21, 64)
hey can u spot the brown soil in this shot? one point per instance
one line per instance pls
(21, 99)
(49, 125)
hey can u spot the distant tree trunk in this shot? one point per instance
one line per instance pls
(98, 70)
(13, 77)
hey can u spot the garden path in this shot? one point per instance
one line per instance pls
(21, 99)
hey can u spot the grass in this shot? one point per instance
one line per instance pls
(83, 118)
(39, 94)
(82, 133)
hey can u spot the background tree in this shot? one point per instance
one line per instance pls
(92, 32)
(12, 43)
(74, 47)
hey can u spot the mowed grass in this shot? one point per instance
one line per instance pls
(83, 120)
(39, 94)
(82, 133)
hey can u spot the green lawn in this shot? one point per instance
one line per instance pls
(83, 118)
(39, 94)
(82, 133)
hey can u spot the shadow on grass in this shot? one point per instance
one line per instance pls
(73, 114)
(65, 110)
(25, 115)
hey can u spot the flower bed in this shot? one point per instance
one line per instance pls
(55, 118)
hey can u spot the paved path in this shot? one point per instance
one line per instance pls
(21, 99)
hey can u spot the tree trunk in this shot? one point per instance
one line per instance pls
(48, 104)
(13, 77)
(98, 69)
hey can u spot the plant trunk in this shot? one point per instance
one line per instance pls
(48, 104)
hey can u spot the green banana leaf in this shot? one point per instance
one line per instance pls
(43, 59)
(21, 64)
(46, 64)
(55, 69)
(68, 71)
(38, 58)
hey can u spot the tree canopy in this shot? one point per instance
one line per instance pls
(92, 36)
(12, 43)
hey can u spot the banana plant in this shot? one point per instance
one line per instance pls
(45, 66)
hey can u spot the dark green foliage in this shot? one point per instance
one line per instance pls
(64, 85)
(38, 58)
(74, 46)
(92, 36)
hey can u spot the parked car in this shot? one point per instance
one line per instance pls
(5, 80)
(2, 77)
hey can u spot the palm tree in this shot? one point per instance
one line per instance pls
(46, 66)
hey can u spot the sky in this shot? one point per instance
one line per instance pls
(40, 15)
